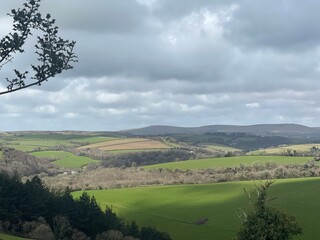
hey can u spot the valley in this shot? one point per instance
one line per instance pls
(173, 181)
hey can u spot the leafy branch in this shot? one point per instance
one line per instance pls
(54, 54)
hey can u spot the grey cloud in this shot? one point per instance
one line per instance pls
(168, 10)
(283, 25)
(149, 58)
(98, 16)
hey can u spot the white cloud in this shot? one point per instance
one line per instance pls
(47, 109)
(253, 105)
(108, 98)
(71, 115)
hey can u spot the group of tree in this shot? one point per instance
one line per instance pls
(146, 158)
(95, 177)
(25, 164)
(29, 208)
(134, 158)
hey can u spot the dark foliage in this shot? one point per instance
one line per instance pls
(30, 201)
(147, 158)
(149, 233)
(239, 140)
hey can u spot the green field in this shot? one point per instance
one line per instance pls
(229, 162)
(65, 159)
(220, 148)
(285, 148)
(174, 209)
(42, 141)
(9, 237)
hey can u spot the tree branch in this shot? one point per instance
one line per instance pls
(54, 53)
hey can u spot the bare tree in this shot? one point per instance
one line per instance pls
(54, 54)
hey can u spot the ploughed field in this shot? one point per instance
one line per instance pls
(182, 210)
(229, 162)
(127, 145)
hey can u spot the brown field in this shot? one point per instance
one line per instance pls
(127, 144)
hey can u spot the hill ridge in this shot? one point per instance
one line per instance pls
(282, 129)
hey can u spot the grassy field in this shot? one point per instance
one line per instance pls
(175, 209)
(281, 149)
(95, 139)
(126, 144)
(42, 141)
(65, 159)
(220, 148)
(9, 237)
(32, 145)
(228, 162)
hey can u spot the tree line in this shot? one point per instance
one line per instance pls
(94, 177)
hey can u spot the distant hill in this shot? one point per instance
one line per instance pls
(287, 130)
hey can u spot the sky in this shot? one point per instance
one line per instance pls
(173, 62)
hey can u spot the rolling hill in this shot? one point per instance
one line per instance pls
(175, 209)
(286, 130)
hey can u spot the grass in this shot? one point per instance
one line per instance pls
(65, 159)
(281, 149)
(174, 209)
(228, 162)
(9, 237)
(27, 148)
(220, 148)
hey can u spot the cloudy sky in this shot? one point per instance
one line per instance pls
(174, 62)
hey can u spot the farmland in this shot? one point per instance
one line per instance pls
(285, 148)
(68, 149)
(175, 209)
(220, 148)
(229, 162)
(29, 142)
(64, 159)
(135, 144)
